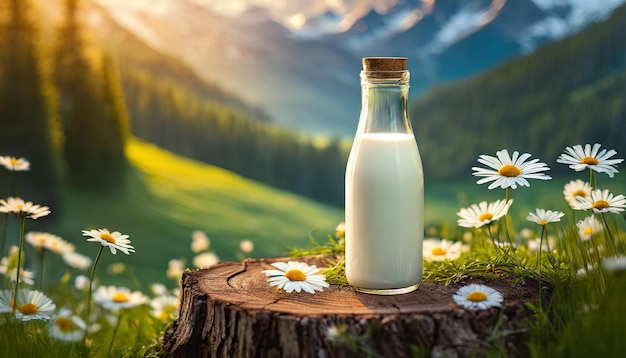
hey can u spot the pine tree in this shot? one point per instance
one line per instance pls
(28, 124)
(94, 117)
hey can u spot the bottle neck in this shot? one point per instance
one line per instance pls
(384, 102)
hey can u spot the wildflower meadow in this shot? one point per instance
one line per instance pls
(577, 256)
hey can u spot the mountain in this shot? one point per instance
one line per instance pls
(568, 92)
(304, 73)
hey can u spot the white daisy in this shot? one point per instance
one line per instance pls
(478, 297)
(112, 240)
(26, 276)
(81, 282)
(113, 298)
(440, 250)
(574, 190)
(158, 289)
(483, 213)
(30, 305)
(67, 327)
(205, 260)
(8, 267)
(246, 246)
(22, 209)
(533, 245)
(337, 334)
(580, 159)
(526, 233)
(165, 307)
(582, 272)
(588, 227)
(116, 268)
(6, 297)
(76, 260)
(44, 240)
(175, 269)
(296, 276)
(199, 241)
(14, 164)
(340, 230)
(509, 171)
(615, 264)
(544, 217)
(602, 201)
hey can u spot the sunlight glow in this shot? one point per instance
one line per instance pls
(294, 14)
(296, 21)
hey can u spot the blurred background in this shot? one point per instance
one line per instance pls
(159, 118)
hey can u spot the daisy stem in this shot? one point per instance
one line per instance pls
(548, 249)
(506, 229)
(598, 260)
(4, 234)
(93, 272)
(4, 229)
(41, 267)
(543, 231)
(610, 234)
(19, 264)
(491, 234)
(506, 225)
(583, 255)
(504, 250)
(117, 327)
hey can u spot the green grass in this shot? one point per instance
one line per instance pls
(167, 197)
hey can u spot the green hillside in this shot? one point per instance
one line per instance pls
(168, 197)
(569, 92)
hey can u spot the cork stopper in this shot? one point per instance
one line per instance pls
(384, 63)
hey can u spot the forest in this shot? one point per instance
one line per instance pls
(69, 110)
(569, 92)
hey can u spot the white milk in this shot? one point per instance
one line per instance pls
(384, 212)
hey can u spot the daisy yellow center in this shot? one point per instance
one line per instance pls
(64, 324)
(509, 170)
(107, 237)
(589, 161)
(600, 204)
(588, 230)
(542, 222)
(295, 275)
(438, 251)
(14, 162)
(119, 297)
(28, 309)
(477, 296)
(485, 216)
(20, 207)
(580, 192)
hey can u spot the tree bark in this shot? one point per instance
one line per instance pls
(229, 310)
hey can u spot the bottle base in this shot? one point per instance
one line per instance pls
(387, 291)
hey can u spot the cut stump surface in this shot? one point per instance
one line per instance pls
(229, 310)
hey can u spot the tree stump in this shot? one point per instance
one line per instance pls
(229, 310)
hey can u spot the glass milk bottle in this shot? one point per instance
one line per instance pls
(384, 186)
